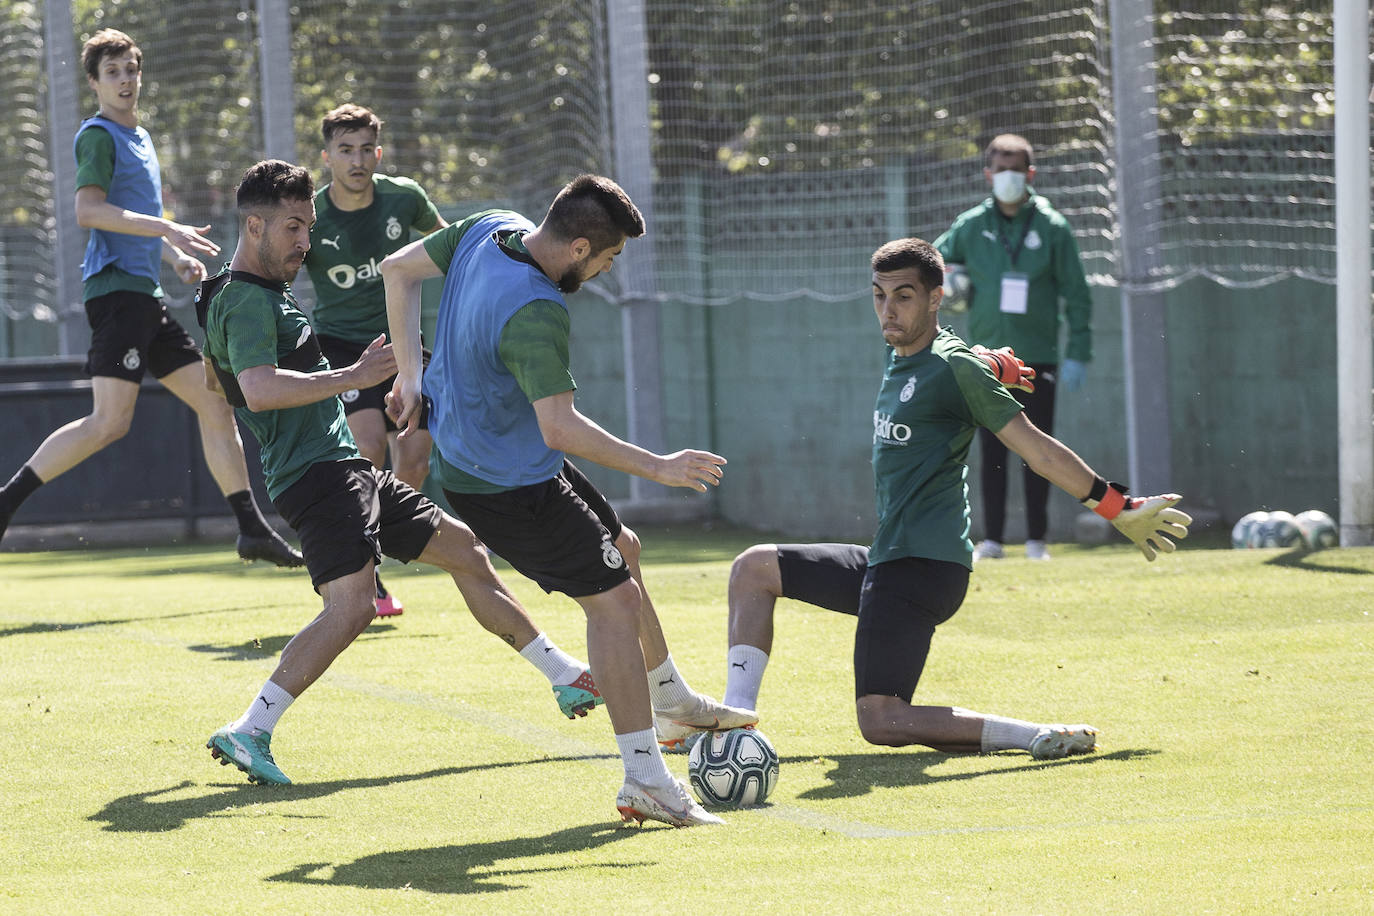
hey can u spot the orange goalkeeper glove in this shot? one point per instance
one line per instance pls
(1007, 366)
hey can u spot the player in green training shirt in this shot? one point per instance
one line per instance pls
(267, 362)
(935, 393)
(362, 217)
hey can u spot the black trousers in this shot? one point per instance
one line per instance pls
(993, 479)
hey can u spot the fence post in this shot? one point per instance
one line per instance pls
(63, 107)
(1145, 345)
(277, 80)
(629, 79)
(1354, 403)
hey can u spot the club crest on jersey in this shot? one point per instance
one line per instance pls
(344, 276)
(908, 390)
(131, 360)
(1033, 240)
(349, 396)
(393, 228)
(611, 556)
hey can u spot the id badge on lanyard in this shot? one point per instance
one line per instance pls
(1015, 293)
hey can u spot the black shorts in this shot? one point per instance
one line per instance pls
(132, 332)
(342, 353)
(348, 513)
(826, 575)
(561, 533)
(899, 605)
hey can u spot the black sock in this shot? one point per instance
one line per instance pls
(20, 488)
(246, 511)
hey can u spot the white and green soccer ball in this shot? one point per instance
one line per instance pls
(957, 283)
(1318, 529)
(1246, 532)
(1280, 529)
(733, 769)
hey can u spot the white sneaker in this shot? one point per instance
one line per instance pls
(700, 714)
(988, 550)
(1055, 741)
(672, 805)
(1036, 550)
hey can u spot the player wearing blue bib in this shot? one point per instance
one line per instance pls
(935, 394)
(119, 198)
(267, 362)
(504, 424)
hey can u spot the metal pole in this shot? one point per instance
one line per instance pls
(1149, 441)
(1354, 364)
(63, 106)
(636, 266)
(278, 83)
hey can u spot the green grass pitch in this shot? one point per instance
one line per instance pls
(434, 774)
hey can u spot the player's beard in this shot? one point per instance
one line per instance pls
(281, 269)
(572, 278)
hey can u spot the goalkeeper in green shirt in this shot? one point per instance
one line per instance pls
(934, 394)
(1020, 259)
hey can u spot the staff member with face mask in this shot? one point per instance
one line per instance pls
(1022, 261)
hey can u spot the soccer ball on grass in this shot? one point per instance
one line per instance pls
(733, 769)
(1280, 529)
(1246, 532)
(1318, 529)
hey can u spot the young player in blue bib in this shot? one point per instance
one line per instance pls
(119, 198)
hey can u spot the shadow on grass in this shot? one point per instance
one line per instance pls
(43, 627)
(148, 812)
(270, 646)
(1302, 559)
(470, 868)
(854, 775)
(167, 561)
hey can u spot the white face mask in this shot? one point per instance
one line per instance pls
(1009, 186)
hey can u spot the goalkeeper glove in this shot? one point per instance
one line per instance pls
(1144, 520)
(1007, 366)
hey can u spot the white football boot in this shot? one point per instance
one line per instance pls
(700, 714)
(1055, 741)
(672, 805)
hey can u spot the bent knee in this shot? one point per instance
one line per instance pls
(756, 569)
(457, 551)
(628, 545)
(877, 722)
(109, 428)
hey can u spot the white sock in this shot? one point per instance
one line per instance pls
(642, 758)
(1002, 734)
(668, 689)
(555, 664)
(742, 681)
(262, 714)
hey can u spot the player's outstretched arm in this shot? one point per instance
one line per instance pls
(1148, 522)
(567, 430)
(403, 274)
(94, 211)
(269, 387)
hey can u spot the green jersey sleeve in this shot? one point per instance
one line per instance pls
(426, 214)
(442, 244)
(990, 405)
(95, 158)
(534, 347)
